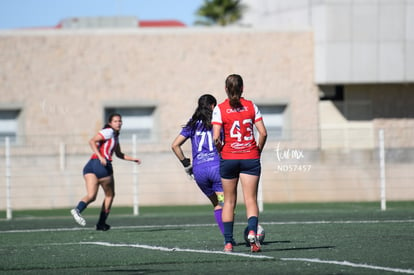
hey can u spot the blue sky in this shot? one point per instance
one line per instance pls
(47, 13)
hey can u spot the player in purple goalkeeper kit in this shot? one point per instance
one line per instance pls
(206, 159)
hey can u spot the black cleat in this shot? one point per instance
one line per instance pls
(103, 227)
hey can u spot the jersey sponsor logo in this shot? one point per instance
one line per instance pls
(240, 146)
(238, 110)
(206, 157)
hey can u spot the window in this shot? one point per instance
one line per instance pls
(275, 119)
(9, 122)
(334, 93)
(135, 120)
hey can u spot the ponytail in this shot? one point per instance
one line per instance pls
(234, 89)
(203, 112)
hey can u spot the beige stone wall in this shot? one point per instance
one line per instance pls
(64, 79)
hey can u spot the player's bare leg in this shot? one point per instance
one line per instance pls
(108, 186)
(91, 182)
(230, 194)
(250, 185)
(92, 186)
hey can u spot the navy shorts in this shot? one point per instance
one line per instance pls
(232, 168)
(94, 166)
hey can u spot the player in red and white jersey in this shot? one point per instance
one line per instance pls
(98, 171)
(240, 142)
(240, 156)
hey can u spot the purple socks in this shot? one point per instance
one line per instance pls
(219, 220)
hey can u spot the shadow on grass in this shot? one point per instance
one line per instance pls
(302, 248)
(266, 243)
(154, 229)
(139, 271)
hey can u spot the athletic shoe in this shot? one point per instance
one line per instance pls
(77, 216)
(103, 227)
(254, 243)
(233, 242)
(228, 247)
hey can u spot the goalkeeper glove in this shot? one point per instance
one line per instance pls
(188, 168)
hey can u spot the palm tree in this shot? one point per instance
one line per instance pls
(220, 12)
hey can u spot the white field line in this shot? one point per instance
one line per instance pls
(346, 263)
(176, 249)
(201, 225)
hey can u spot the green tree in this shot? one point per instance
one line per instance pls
(219, 12)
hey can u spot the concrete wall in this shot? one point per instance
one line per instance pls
(356, 41)
(364, 41)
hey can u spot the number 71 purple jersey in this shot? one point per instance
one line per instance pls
(202, 145)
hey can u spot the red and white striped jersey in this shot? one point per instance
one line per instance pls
(107, 146)
(238, 125)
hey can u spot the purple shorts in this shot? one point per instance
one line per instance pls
(208, 178)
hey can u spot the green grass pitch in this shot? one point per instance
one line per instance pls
(320, 238)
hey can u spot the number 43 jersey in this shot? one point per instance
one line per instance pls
(238, 125)
(203, 149)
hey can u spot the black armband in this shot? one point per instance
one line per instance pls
(186, 162)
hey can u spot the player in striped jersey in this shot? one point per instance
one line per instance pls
(98, 171)
(206, 160)
(240, 156)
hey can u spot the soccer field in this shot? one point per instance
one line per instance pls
(332, 238)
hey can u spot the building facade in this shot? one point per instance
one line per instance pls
(58, 87)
